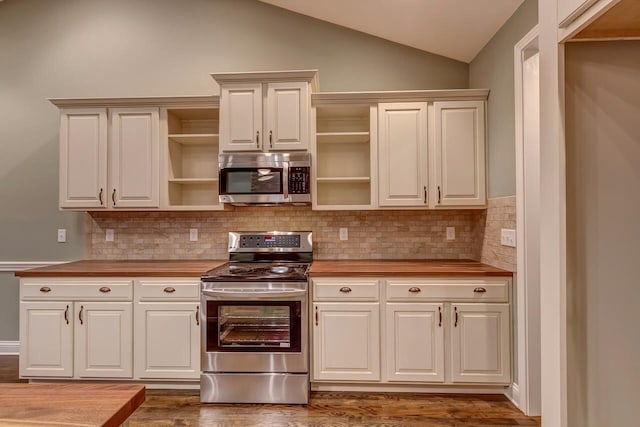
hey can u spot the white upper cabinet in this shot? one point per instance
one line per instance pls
(460, 153)
(83, 158)
(109, 157)
(241, 117)
(134, 158)
(403, 146)
(265, 111)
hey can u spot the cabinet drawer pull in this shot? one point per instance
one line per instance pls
(439, 317)
(198, 315)
(415, 290)
(169, 290)
(345, 289)
(105, 290)
(455, 324)
(316, 316)
(80, 315)
(113, 197)
(100, 197)
(270, 139)
(479, 290)
(66, 315)
(258, 139)
(45, 289)
(425, 194)
(439, 195)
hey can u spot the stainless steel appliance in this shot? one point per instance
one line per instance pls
(265, 178)
(255, 340)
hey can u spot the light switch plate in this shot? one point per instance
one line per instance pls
(193, 234)
(451, 233)
(508, 237)
(344, 233)
(62, 235)
(109, 235)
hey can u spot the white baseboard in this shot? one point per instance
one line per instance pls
(9, 347)
(513, 394)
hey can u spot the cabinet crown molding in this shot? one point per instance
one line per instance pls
(374, 97)
(207, 101)
(310, 76)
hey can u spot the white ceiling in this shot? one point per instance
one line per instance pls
(458, 29)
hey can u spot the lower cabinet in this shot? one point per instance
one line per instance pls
(446, 330)
(346, 341)
(167, 340)
(415, 342)
(480, 343)
(76, 339)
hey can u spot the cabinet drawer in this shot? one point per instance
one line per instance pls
(167, 289)
(480, 290)
(345, 290)
(89, 290)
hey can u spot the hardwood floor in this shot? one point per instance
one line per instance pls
(183, 408)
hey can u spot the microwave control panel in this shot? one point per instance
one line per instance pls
(299, 180)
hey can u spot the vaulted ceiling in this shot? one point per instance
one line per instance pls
(457, 29)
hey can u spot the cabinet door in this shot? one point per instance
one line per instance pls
(46, 339)
(241, 117)
(415, 342)
(480, 343)
(134, 158)
(287, 116)
(167, 340)
(402, 159)
(83, 158)
(346, 342)
(103, 339)
(460, 161)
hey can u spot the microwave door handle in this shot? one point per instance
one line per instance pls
(285, 181)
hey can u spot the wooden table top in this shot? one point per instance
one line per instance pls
(68, 404)
(360, 268)
(125, 268)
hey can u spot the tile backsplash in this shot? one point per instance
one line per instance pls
(410, 234)
(500, 213)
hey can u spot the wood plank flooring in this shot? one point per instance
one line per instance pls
(183, 408)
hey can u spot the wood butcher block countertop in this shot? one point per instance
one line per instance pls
(95, 268)
(361, 268)
(68, 404)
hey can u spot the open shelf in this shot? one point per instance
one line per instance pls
(341, 194)
(193, 146)
(195, 139)
(342, 137)
(344, 179)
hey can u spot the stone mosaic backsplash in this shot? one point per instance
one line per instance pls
(500, 213)
(409, 234)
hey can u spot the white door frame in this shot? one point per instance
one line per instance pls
(526, 393)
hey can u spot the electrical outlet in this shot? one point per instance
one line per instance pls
(344, 233)
(108, 235)
(62, 235)
(451, 233)
(508, 237)
(193, 234)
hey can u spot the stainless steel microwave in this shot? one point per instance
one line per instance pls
(265, 178)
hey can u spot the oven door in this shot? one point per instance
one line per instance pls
(242, 333)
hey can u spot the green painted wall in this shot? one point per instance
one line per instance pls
(97, 48)
(493, 68)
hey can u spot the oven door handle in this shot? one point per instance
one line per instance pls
(223, 294)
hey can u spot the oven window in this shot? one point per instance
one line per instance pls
(253, 326)
(251, 181)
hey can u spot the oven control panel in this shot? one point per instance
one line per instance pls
(270, 241)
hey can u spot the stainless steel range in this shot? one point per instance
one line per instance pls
(255, 341)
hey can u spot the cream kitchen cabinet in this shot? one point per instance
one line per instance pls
(167, 329)
(480, 343)
(79, 329)
(265, 111)
(109, 158)
(460, 153)
(403, 154)
(415, 342)
(346, 330)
